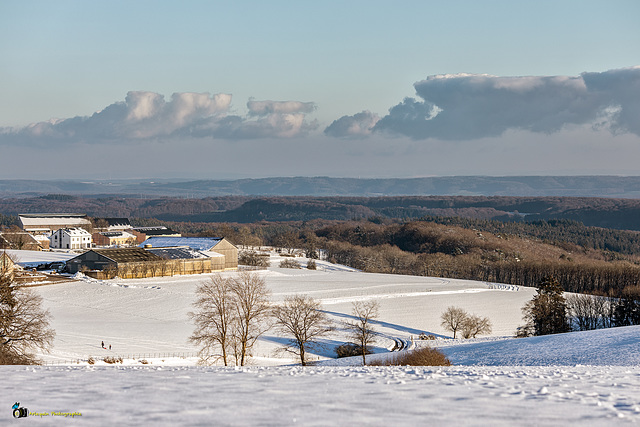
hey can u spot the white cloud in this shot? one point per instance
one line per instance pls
(263, 108)
(147, 115)
(473, 106)
(358, 125)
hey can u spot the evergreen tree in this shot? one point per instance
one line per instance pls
(627, 307)
(546, 313)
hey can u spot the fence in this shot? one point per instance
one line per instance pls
(133, 356)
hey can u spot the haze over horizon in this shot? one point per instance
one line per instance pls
(208, 90)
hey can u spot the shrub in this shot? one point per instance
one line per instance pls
(91, 361)
(254, 259)
(144, 361)
(290, 263)
(424, 336)
(420, 357)
(349, 350)
(111, 359)
(311, 265)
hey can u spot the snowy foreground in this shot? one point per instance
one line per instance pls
(277, 396)
(590, 378)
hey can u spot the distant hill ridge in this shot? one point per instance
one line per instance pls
(528, 186)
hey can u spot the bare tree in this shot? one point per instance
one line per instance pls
(475, 325)
(251, 307)
(214, 318)
(362, 332)
(301, 318)
(587, 311)
(24, 325)
(453, 319)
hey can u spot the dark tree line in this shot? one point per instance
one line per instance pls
(550, 312)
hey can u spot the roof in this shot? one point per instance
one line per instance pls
(74, 231)
(34, 220)
(52, 215)
(159, 232)
(181, 252)
(117, 234)
(197, 243)
(117, 221)
(155, 227)
(126, 255)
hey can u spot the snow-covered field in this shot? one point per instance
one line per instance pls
(592, 378)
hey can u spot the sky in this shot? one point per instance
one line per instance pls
(226, 90)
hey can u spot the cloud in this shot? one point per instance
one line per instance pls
(471, 106)
(263, 108)
(147, 116)
(358, 125)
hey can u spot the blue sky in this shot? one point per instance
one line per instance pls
(332, 62)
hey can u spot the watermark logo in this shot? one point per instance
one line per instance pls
(19, 412)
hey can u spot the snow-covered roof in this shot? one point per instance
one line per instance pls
(123, 234)
(144, 229)
(197, 243)
(118, 222)
(35, 221)
(74, 232)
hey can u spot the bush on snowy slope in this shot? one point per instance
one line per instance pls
(290, 263)
(254, 259)
(421, 357)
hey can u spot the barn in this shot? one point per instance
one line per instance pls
(206, 245)
(130, 263)
(125, 263)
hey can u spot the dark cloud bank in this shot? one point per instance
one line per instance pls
(467, 106)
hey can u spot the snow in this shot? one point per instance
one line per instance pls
(318, 396)
(591, 378)
(618, 346)
(29, 258)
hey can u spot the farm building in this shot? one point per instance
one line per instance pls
(184, 260)
(46, 223)
(7, 266)
(111, 224)
(207, 245)
(113, 238)
(130, 263)
(143, 233)
(70, 238)
(22, 241)
(125, 263)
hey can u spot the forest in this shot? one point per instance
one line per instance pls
(620, 214)
(515, 240)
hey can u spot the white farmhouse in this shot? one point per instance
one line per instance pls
(70, 238)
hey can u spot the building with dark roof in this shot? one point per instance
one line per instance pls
(131, 263)
(128, 261)
(143, 233)
(117, 224)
